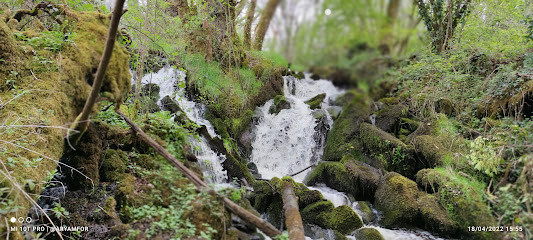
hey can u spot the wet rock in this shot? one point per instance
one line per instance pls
(169, 105)
(334, 112)
(151, 90)
(325, 215)
(350, 176)
(346, 98)
(316, 101)
(280, 103)
(318, 114)
(316, 232)
(365, 212)
(368, 234)
(299, 75)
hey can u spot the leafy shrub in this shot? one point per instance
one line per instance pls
(483, 156)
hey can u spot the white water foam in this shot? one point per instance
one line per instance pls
(285, 143)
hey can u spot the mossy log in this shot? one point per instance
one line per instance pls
(293, 220)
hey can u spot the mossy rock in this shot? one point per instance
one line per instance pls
(445, 106)
(389, 101)
(388, 118)
(315, 101)
(325, 215)
(344, 134)
(367, 233)
(280, 103)
(126, 190)
(403, 205)
(365, 212)
(462, 197)
(350, 176)
(435, 218)
(113, 165)
(430, 150)
(396, 197)
(299, 75)
(347, 97)
(409, 124)
(390, 152)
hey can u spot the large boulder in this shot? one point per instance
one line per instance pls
(463, 198)
(344, 134)
(354, 177)
(325, 215)
(403, 205)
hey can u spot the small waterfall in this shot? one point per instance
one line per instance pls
(168, 79)
(288, 142)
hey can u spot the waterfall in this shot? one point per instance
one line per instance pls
(169, 79)
(288, 142)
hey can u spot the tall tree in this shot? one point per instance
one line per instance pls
(441, 18)
(248, 25)
(264, 22)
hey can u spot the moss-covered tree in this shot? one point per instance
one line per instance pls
(264, 22)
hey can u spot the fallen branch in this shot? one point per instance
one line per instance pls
(301, 171)
(263, 225)
(293, 220)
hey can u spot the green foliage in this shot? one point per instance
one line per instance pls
(484, 157)
(283, 236)
(53, 41)
(60, 211)
(111, 117)
(232, 89)
(496, 28)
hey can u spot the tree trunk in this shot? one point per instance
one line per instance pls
(82, 121)
(293, 220)
(248, 25)
(392, 14)
(263, 225)
(264, 22)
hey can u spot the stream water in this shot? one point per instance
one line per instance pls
(285, 143)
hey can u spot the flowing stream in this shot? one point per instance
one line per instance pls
(285, 143)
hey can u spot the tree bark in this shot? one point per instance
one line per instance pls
(82, 121)
(264, 22)
(248, 25)
(293, 220)
(240, 6)
(263, 225)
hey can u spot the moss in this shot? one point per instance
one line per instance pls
(126, 190)
(366, 213)
(146, 161)
(280, 103)
(345, 130)
(113, 165)
(345, 220)
(325, 215)
(445, 106)
(367, 233)
(392, 154)
(409, 124)
(56, 97)
(389, 101)
(315, 101)
(435, 217)
(396, 197)
(463, 198)
(388, 118)
(349, 175)
(430, 149)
